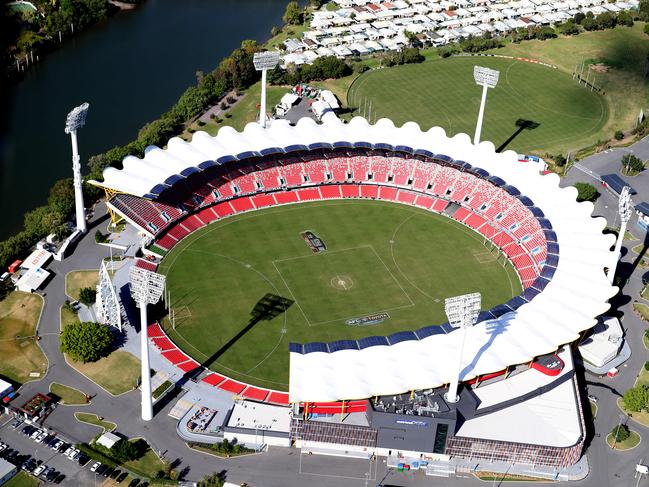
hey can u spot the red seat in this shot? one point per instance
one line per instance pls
(254, 393)
(330, 191)
(278, 398)
(214, 379)
(350, 191)
(232, 386)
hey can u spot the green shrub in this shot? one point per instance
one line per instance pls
(87, 295)
(621, 432)
(619, 135)
(646, 366)
(586, 192)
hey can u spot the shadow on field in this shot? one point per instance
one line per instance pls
(522, 124)
(268, 307)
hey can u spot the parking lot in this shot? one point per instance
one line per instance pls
(39, 458)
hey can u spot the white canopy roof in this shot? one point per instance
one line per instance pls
(575, 296)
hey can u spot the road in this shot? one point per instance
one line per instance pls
(282, 467)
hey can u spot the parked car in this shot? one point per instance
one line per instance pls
(101, 469)
(41, 437)
(39, 470)
(3, 446)
(62, 447)
(82, 459)
(122, 477)
(16, 424)
(28, 430)
(57, 444)
(45, 473)
(35, 434)
(108, 471)
(134, 482)
(95, 466)
(116, 473)
(59, 478)
(51, 475)
(30, 465)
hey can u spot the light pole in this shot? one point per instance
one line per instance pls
(624, 210)
(264, 61)
(462, 312)
(487, 78)
(74, 121)
(617, 430)
(146, 288)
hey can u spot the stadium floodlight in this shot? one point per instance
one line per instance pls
(146, 288)
(264, 61)
(462, 312)
(75, 120)
(624, 208)
(487, 78)
(109, 311)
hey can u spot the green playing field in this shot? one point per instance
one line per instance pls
(533, 107)
(380, 258)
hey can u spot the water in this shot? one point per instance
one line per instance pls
(130, 69)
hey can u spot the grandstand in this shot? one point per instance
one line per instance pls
(557, 249)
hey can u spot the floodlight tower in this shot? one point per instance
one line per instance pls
(74, 121)
(487, 78)
(264, 61)
(462, 312)
(146, 288)
(624, 207)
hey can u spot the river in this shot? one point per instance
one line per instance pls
(130, 68)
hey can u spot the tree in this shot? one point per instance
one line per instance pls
(62, 196)
(293, 14)
(646, 29)
(646, 366)
(412, 38)
(631, 164)
(637, 398)
(125, 451)
(560, 160)
(87, 295)
(586, 192)
(619, 135)
(85, 342)
(6, 287)
(620, 433)
(217, 479)
(625, 18)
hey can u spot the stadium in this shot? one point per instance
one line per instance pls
(274, 246)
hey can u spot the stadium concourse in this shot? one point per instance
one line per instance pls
(391, 388)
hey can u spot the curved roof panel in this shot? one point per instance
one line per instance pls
(567, 305)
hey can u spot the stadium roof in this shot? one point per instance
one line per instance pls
(569, 304)
(616, 183)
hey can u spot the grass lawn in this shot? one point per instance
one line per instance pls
(21, 356)
(641, 417)
(642, 309)
(94, 420)
(149, 464)
(442, 92)
(76, 280)
(69, 395)
(643, 377)
(380, 257)
(631, 442)
(117, 373)
(637, 249)
(623, 50)
(22, 479)
(645, 340)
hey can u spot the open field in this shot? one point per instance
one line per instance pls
(118, 373)
(442, 92)
(623, 50)
(22, 479)
(76, 280)
(69, 395)
(380, 257)
(149, 464)
(94, 420)
(21, 355)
